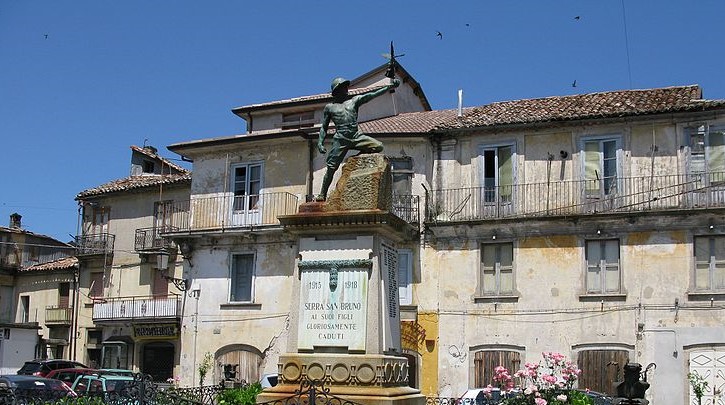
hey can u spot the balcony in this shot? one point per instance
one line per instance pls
(137, 308)
(150, 240)
(58, 316)
(94, 244)
(566, 198)
(407, 208)
(231, 212)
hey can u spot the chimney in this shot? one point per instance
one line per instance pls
(15, 220)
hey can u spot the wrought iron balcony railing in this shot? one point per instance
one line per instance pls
(137, 308)
(94, 244)
(150, 239)
(556, 198)
(58, 315)
(407, 208)
(229, 212)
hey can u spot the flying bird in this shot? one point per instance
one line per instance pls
(46, 36)
(468, 25)
(439, 34)
(577, 17)
(573, 84)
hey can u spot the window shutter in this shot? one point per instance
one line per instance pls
(159, 285)
(716, 158)
(592, 173)
(505, 171)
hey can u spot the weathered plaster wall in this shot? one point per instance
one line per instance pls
(212, 323)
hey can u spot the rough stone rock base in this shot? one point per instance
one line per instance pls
(365, 184)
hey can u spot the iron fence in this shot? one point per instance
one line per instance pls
(556, 198)
(228, 211)
(311, 392)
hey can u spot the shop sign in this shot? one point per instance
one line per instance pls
(161, 331)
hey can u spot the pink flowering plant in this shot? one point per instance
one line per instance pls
(548, 382)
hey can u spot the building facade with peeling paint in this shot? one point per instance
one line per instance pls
(588, 224)
(129, 298)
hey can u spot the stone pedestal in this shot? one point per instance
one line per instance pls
(346, 326)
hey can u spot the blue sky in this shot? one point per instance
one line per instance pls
(83, 80)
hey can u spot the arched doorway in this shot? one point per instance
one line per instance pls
(241, 363)
(158, 360)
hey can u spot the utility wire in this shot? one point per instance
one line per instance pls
(626, 45)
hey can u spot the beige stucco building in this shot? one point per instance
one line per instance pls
(586, 224)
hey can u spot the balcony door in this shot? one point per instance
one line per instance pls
(706, 164)
(495, 198)
(246, 187)
(601, 163)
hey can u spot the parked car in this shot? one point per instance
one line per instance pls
(269, 380)
(42, 367)
(116, 371)
(93, 384)
(28, 386)
(69, 375)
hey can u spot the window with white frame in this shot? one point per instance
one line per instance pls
(241, 277)
(709, 252)
(601, 165)
(603, 268)
(246, 185)
(497, 269)
(497, 173)
(405, 276)
(707, 149)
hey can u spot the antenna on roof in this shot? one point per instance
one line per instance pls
(460, 103)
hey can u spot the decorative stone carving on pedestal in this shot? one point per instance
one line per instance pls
(345, 323)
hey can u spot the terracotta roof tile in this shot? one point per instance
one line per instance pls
(135, 182)
(315, 97)
(585, 106)
(413, 122)
(59, 264)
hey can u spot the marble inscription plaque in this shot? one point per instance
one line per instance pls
(333, 308)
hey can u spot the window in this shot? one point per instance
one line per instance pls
(709, 254)
(485, 361)
(63, 295)
(96, 285)
(159, 284)
(498, 173)
(404, 204)
(246, 186)
(304, 119)
(603, 274)
(24, 308)
(162, 216)
(405, 276)
(707, 149)
(148, 166)
(601, 368)
(497, 270)
(600, 166)
(242, 278)
(99, 220)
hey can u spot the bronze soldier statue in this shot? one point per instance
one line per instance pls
(343, 112)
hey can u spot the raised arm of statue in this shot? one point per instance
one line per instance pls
(364, 98)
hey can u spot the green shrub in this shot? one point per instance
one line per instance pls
(240, 396)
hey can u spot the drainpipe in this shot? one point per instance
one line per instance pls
(74, 320)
